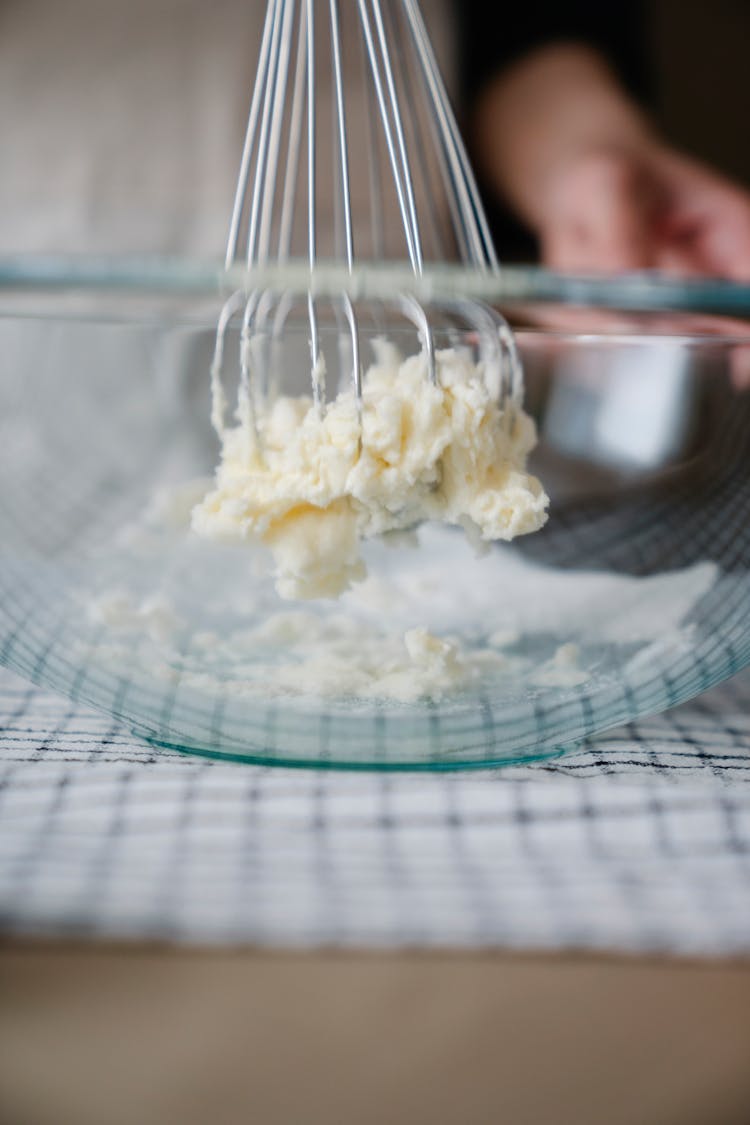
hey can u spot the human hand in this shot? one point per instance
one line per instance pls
(642, 208)
(561, 142)
(658, 209)
(580, 163)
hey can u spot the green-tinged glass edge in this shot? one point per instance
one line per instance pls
(364, 766)
(643, 291)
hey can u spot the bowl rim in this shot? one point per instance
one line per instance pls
(723, 303)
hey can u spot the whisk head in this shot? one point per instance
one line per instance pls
(353, 155)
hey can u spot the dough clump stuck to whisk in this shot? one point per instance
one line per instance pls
(321, 481)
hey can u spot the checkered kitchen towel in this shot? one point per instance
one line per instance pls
(639, 842)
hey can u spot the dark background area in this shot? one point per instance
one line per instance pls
(702, 51)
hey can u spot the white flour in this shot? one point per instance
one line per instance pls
(426, 623)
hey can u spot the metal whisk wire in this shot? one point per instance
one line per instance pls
(410, 137)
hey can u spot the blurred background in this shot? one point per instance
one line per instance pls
(700, 51)
(121, 125)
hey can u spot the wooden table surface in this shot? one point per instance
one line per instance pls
(101, 1035)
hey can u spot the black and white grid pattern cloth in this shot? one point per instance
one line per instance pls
(638, 842)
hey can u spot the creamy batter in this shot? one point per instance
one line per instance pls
(317, 482)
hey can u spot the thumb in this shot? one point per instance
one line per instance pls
(602, 218)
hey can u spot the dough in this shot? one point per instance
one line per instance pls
(317, 483)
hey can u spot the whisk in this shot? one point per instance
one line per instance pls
(386, 177)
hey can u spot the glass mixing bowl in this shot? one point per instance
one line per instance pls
(635, 596)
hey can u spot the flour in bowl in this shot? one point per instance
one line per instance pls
(427, 624)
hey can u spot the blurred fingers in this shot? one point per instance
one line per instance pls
(739, 365)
